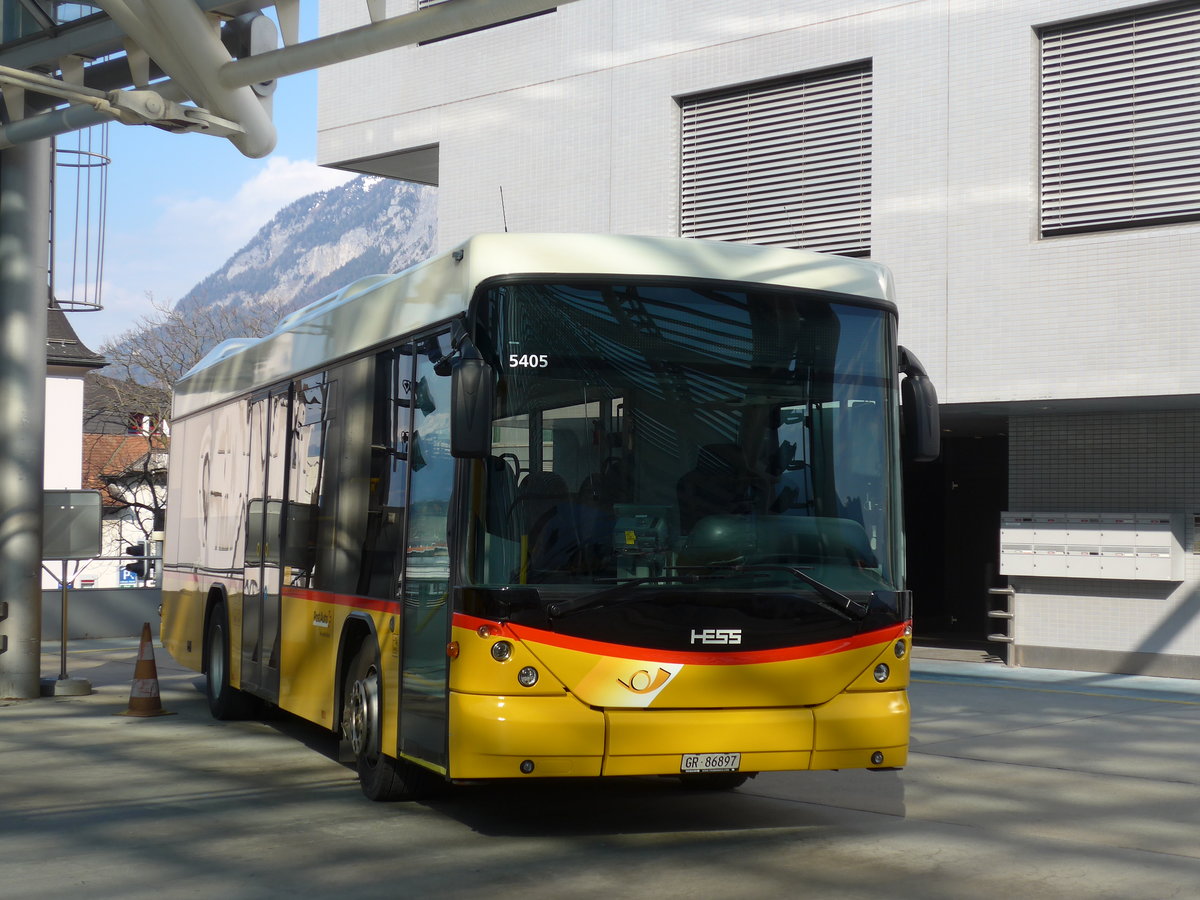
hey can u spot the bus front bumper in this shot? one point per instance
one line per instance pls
(556, 736)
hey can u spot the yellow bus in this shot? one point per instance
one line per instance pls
(560, 505)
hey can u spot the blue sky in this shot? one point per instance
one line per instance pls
(180, 205)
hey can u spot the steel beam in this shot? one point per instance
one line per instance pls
(430, 23)
(185, 43)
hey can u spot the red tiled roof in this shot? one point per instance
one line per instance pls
(112, 455)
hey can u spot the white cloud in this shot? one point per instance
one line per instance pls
(217, 227)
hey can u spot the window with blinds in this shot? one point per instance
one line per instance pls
(786, 163)
(1120, 137)
(425, 4)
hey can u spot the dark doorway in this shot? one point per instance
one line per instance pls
(953, 511)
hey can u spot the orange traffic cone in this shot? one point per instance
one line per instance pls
(143, 695)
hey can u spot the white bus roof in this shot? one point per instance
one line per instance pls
(374, 310)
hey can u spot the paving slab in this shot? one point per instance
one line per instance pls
(1021, 783)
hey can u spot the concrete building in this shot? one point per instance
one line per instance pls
(1030, 171)
(125, 441)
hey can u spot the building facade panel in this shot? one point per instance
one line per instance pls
(1102, 462)
(962, 191)
(1080, 348)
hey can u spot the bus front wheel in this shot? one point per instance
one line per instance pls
(381, 777)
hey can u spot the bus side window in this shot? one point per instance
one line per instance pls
(383, 529)
(307, 520)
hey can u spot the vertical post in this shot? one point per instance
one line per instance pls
(24, 253)
(62, 668)
(66, 686)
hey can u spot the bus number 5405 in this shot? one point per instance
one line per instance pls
(528, 360)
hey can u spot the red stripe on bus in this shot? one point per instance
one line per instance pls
(368, 603)
(697, 657)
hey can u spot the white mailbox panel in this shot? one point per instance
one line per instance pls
(1125, 546)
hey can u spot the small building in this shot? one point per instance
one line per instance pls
(125, 459)
(68, 361)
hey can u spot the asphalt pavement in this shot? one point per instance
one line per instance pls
(1024, 783)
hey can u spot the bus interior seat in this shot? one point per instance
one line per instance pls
(601, 490)
(536, 496)
(721, 482)
(570, 535)
(501, 495)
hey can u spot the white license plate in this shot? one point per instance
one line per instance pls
(710, 762)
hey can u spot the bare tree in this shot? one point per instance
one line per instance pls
(164, 344)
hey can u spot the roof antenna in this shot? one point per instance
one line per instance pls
(503, 211)
(787, 211)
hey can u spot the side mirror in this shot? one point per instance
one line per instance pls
(472, 396)
(920, 425)
(921, 439)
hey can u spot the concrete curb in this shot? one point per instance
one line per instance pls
(1133, 686)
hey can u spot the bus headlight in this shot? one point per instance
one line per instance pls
(901, 648)
(527, 677)
(501, 651)
(882, 672)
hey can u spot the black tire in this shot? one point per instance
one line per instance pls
(224, 701)
(380, 776)
(714, 781)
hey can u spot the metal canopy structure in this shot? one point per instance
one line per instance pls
(205, 66)
(192, 65)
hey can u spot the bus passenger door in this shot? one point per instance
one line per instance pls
(425, 620)
(268, 427)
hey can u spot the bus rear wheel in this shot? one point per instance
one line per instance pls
(380, 776)
(224, 700)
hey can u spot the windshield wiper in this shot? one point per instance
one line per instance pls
(835, 600)
(831, 599)
(619, 591)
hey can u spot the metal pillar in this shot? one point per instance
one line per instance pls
(24, 250)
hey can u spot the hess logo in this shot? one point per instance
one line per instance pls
(717, 636)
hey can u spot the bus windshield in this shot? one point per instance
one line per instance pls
(685, 436)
